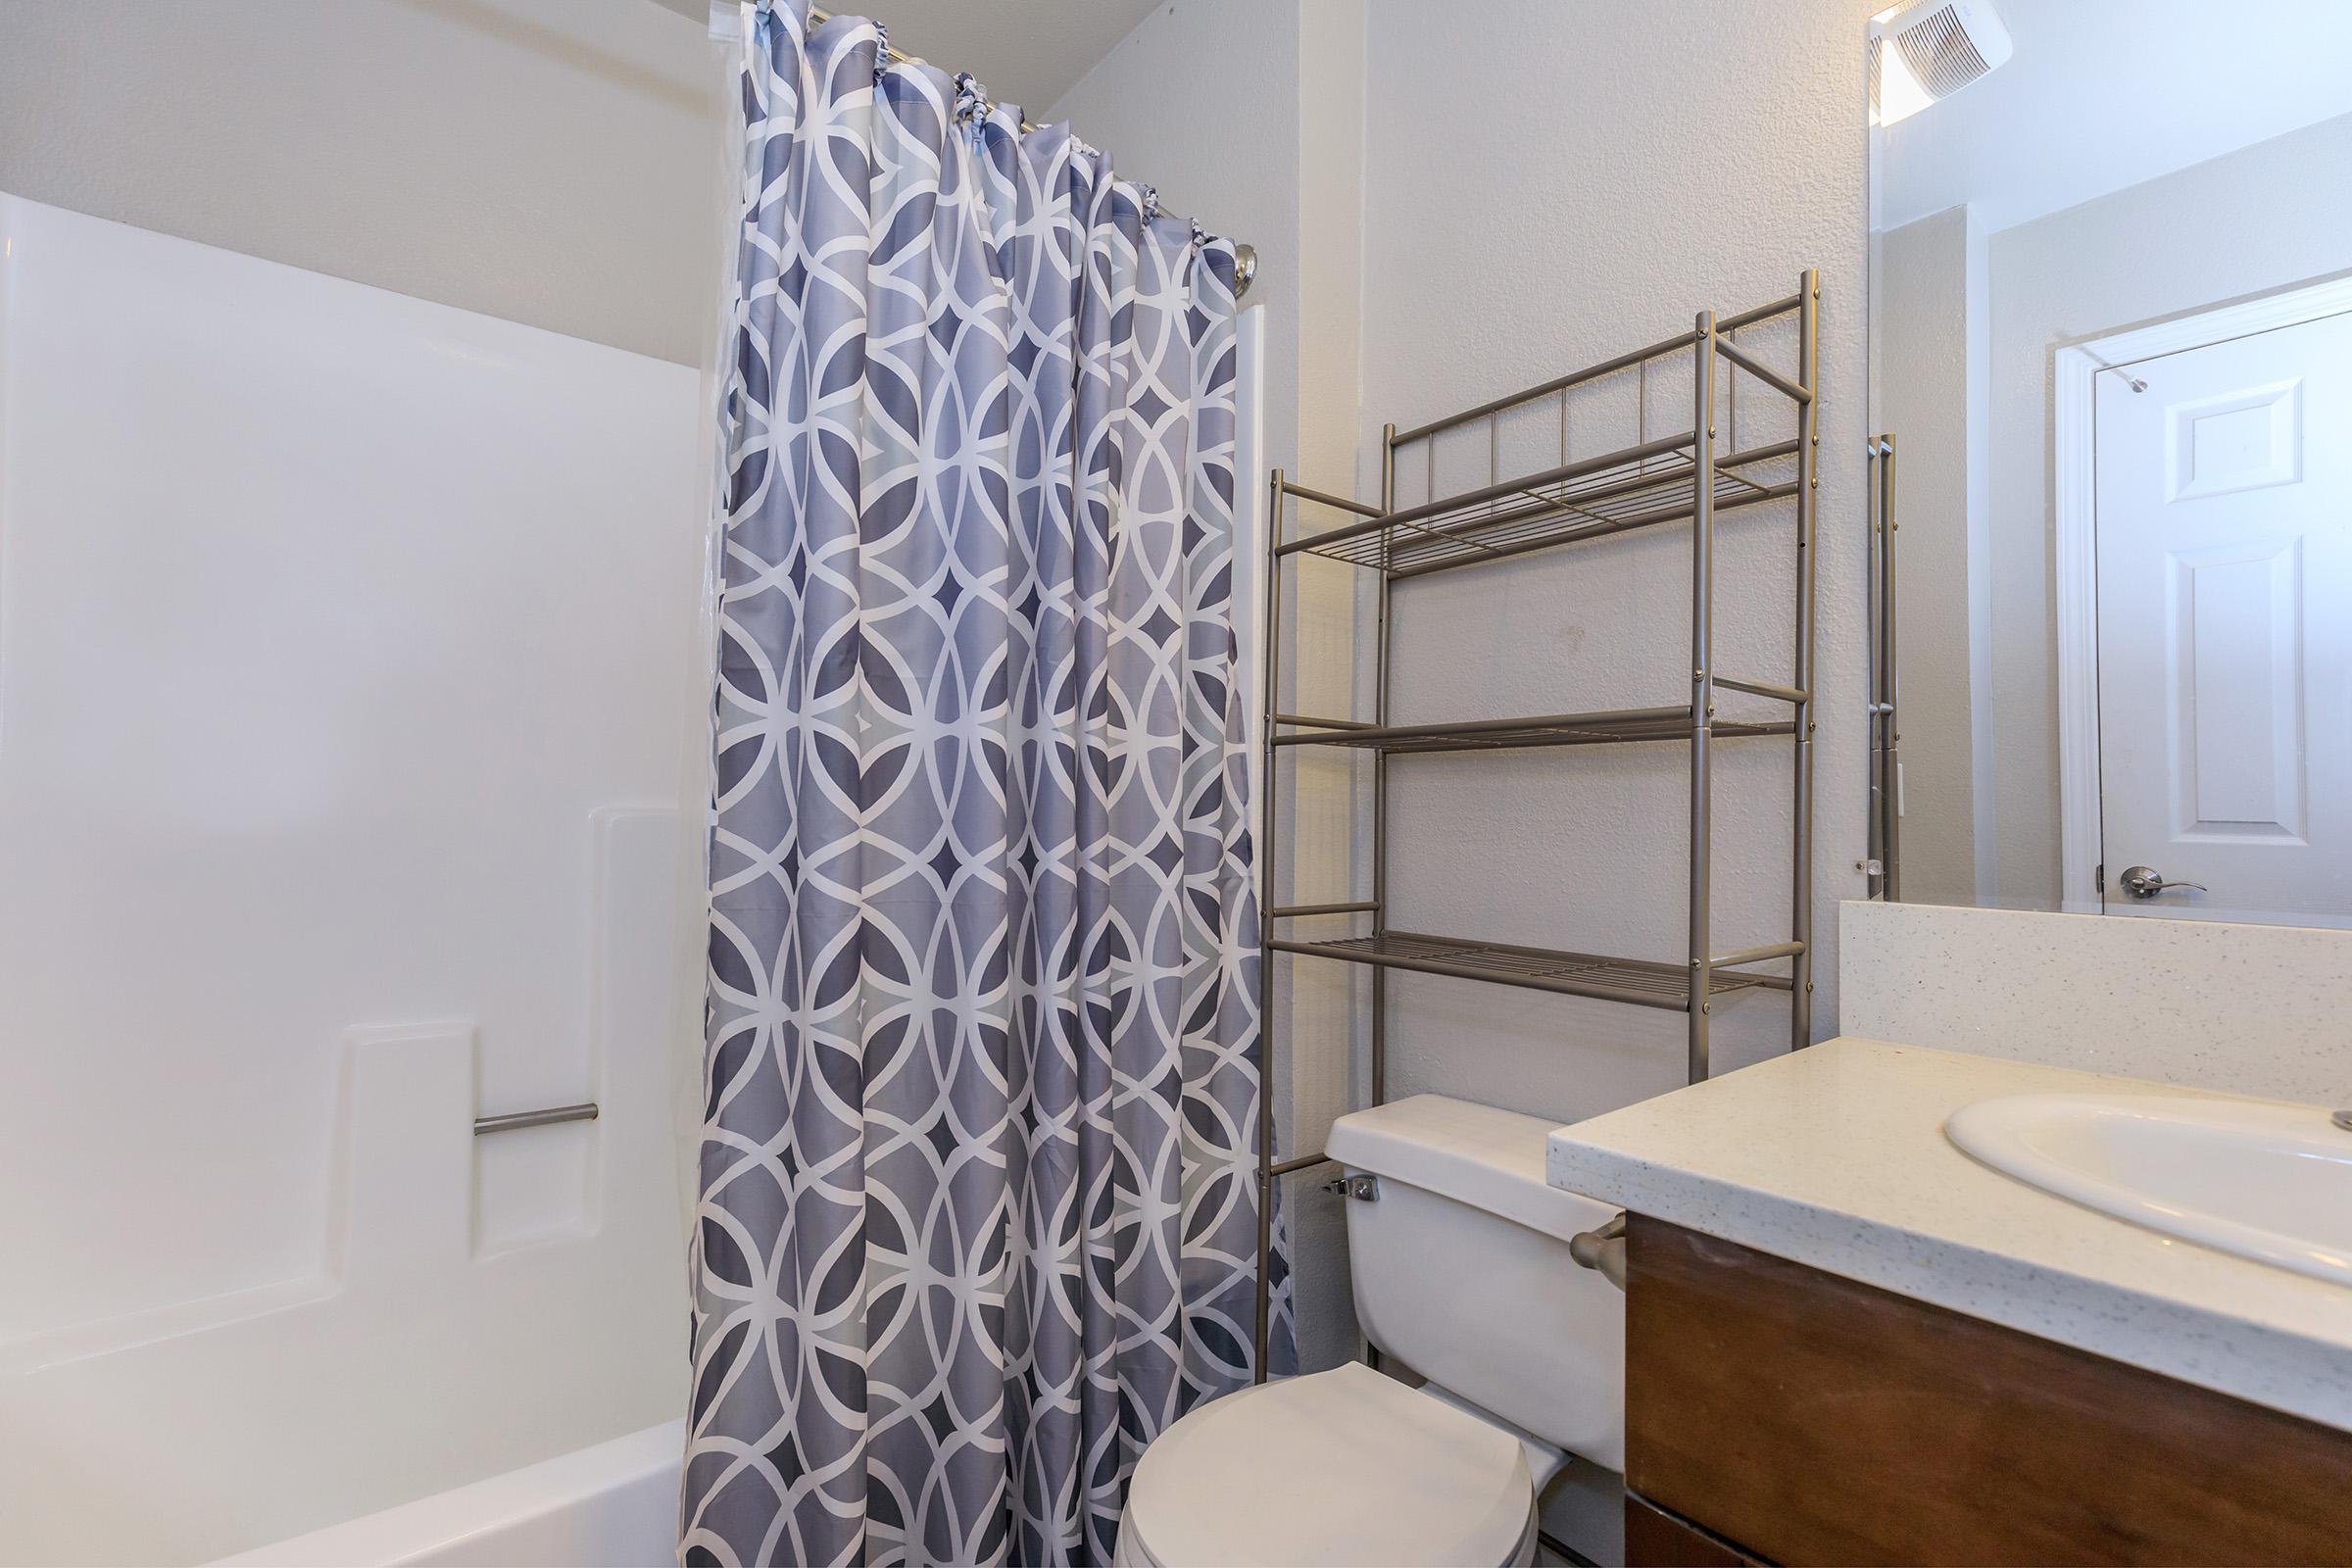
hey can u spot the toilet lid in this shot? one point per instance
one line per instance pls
(1341, 1467)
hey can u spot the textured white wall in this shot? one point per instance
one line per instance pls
(1201, 102)
(1544, 188)
(552, 161)
(2243, 225)
(1547, 187)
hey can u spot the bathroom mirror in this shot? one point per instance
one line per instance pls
(2111, 377)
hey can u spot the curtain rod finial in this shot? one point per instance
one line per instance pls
(1244, 269)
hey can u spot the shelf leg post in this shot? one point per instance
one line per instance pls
(1808, 485)
(1890, 882)
(1379, 1072)
(1268, 886)
(1882, 698)
(1702, 680)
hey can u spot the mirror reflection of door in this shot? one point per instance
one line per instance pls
(2112, 655)
(2225, 649)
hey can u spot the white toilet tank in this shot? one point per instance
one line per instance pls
(1461, 1269)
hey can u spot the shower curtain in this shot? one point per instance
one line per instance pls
(977, 1211)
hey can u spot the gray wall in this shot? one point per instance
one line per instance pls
(553, 162)
(1922, 394)
(2260, 219)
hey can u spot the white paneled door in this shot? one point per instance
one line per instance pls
(2224, 573)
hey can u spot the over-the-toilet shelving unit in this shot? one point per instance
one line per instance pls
(1690, 476)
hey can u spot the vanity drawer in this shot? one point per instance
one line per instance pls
(1812, 1419)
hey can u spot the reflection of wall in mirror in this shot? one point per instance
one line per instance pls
(1931, 272)
(2256, 220)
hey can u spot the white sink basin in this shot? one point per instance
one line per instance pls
(2266, 1181)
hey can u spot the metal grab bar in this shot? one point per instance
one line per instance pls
(534, 1118)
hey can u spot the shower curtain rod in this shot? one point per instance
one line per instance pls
(1245, 255)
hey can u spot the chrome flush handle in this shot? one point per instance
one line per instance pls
(1602, 1251)
(2142, 882)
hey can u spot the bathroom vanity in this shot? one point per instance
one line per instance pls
(1848, 1342)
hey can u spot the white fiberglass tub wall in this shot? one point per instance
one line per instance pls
(345, 640)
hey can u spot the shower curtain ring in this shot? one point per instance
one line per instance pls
(971, 101)
(881, 50)
(1150, 201)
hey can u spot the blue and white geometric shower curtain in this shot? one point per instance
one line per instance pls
(977, 1212)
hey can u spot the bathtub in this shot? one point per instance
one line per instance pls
(614, 1505)
(429, 1394)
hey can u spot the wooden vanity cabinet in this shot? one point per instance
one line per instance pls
(1775, 1413)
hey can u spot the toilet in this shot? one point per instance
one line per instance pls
(1458, 1253)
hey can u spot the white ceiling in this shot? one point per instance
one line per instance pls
(2103, 95)
(1026, 51)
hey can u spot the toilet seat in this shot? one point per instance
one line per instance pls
(1345, 1467)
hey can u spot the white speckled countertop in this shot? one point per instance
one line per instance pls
(1836, 1157)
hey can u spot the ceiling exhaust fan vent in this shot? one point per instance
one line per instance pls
(1938, 51)
(1940, 48)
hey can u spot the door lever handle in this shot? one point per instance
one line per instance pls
(2142, 882)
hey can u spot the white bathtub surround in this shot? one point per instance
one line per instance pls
(1837, 1158)
(612, 1505)
(2250, 1009)
(344, 649)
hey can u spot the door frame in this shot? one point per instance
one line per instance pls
(2075, 521)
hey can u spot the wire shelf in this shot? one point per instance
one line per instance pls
(1632, 488)
(1685, 474)
(1639, 981)
(1624, 726)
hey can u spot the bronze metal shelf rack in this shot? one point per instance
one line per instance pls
(1685, 476)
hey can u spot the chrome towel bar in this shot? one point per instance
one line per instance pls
(533, 1118)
